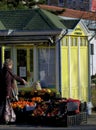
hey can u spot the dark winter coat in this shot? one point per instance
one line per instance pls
(6, 82)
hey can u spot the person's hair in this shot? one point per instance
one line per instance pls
(8, 62)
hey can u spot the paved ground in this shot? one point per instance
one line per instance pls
(92, 119)
(90, 125)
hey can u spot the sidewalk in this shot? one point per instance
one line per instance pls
(90, 125)
(91, 120)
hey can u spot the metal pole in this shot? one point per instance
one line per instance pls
(89, 75)
(92, 64)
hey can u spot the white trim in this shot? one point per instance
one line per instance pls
(69, 66)
(79, 85)
(84, 27)
(60, 3)
(35, 63)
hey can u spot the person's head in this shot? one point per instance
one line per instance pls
(8, 63)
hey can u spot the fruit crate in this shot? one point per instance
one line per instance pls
(75, 120)
(83, 117)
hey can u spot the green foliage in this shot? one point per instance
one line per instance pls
(37, 1)
(46, 94)
(19, 4)
(25, 89)
(3, 6)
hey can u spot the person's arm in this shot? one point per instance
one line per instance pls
(17, 78)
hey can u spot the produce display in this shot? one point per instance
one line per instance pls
(22, 104)
(43, 104)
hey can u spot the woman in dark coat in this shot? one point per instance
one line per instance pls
(6, 84)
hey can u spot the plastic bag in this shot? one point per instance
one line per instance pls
(14, 91)
(9, 114)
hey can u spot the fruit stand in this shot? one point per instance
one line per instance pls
(44, 108)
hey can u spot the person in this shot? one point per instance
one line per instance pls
(7, 78)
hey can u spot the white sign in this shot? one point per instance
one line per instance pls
(22, 71)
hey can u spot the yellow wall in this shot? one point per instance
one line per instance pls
(74, 65)
(84, 72)
(74, 71)
(64, 72)
(73, 78)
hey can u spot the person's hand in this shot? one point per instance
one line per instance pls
(25, 82)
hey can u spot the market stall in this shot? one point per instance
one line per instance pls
(43, 107)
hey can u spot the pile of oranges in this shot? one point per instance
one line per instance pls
(22, 103)
(37, 99)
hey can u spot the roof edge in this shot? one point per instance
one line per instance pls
(26, 33)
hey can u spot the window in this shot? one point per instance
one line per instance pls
(31, 60)
(22, 63)
(46, 66)
(61, 2)
(31, 73)
(74, 5)
(48, 2)
(7, 53)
